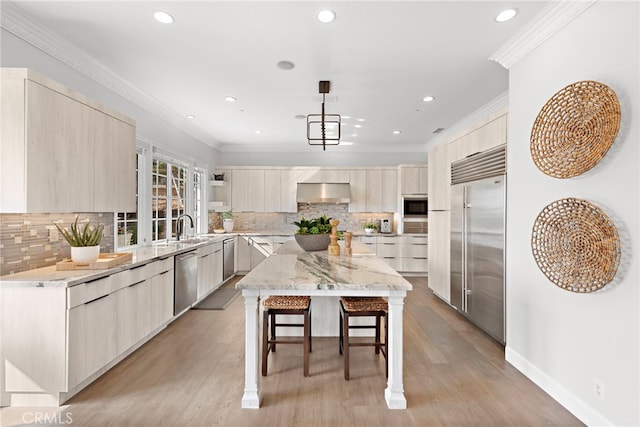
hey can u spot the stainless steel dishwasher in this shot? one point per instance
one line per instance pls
(228, 255)
(186, 281)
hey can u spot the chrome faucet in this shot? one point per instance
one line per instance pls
(178, 227)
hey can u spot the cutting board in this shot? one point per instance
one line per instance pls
(104, 261)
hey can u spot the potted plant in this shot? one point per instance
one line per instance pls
(370, 227)
(84, 241)
(227, 221)
(313, 234)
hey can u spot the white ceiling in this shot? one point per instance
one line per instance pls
(382, 58)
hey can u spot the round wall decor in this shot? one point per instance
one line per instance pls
(576, 245)
(575, 129)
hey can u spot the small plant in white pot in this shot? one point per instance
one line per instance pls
(84, 241)
(227, 221)
(370, 227)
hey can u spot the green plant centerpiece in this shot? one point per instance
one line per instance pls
(84, 241)
(313, 234)
(370, 227)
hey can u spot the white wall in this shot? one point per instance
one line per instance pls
(563, 340)
(15, 52)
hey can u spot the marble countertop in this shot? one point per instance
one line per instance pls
(291, 268)
(50, 277)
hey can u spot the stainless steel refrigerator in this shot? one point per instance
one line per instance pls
(477, 239)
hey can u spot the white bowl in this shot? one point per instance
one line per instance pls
(369, 230)
(219, 230)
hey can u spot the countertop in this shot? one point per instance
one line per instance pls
(292, 268)
(50, 277)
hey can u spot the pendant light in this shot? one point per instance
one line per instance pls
(323, 129)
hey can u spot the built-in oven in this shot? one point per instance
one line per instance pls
(414, 214)
(414, 206)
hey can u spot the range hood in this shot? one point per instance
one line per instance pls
(323, 193)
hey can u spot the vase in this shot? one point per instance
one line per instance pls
(313, 242)
(369, 230)
(85, 254)
(227, 224)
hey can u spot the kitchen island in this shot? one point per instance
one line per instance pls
(292, 271)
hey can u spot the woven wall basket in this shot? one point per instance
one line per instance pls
(576, 245)
(575, 129)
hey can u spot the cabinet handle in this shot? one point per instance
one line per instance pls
(136, 284)
(95, 280)
(204, 256)
(137, 266)
(415, 257)
(164, 272)
(97, 299)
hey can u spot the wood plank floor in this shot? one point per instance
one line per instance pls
(192, 374)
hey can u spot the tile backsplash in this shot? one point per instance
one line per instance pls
(29, 241)
(283, 222)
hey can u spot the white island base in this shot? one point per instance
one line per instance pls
(295, 272)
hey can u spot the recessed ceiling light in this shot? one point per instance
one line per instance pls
(285, 65)
(258, 132)
(164, 17)
(190, 116)
(346, 143)
(326, 16)
(230, 99)
(428, 98)
(355, 135)
(360, 120)
(397, 132)
(299, 116)
(506, 15)
(357, 126)
(345, 117)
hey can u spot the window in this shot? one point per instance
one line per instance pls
(169, 194)
(198, 193)
(127, 222)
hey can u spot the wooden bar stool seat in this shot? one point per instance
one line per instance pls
(363, 307)
(276, 305)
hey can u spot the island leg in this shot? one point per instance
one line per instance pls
(394, 393)
(252, 395)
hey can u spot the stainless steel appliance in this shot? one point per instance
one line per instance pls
(414, 214)
(386, 226)
(186, 281)
(477, 239)
(228, 256)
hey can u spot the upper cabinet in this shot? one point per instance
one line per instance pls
(60, 151)
(489, 135)
(413, 179)
(248, 190)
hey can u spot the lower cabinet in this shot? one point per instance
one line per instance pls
(252, 250)
(405, 253)
(133, 313)
(161, 298)
(209, 268)
(92, 337)
(439, 253)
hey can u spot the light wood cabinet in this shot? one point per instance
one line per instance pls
(272, 190)
(439, 253)
(390, 199)
(317, 174)
(161, 298)
(252, 250)
(92, 340)
(413, 180)
(206, 267)
(247, 191)
(60, 151)
(134, 313)
(439, 178)
(358, 188)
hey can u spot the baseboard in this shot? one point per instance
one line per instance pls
(572, 403)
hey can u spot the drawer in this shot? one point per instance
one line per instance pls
(217, 246)
(388, 250)
(280, 239)
(368, 240)
(395, 263)
(415, 251)
(160, 266)
(85, 292)
(414, 240)
(414, 265)
(388, 240)
(204, 250)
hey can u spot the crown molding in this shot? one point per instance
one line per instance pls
(545, 24)
(16, 21)
(498, 106)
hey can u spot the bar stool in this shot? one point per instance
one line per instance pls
(362, 307)
(285, 305)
